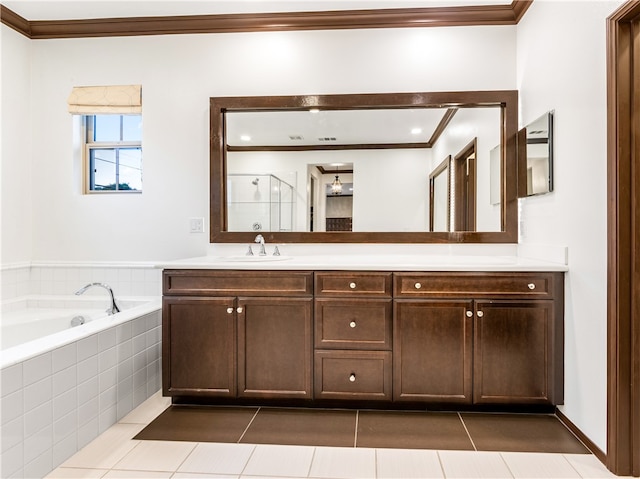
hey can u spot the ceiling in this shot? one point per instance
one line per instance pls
(34, 10)
(332, 127)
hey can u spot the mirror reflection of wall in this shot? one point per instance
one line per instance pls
(391, 179)
(475, 129)
(538, 176)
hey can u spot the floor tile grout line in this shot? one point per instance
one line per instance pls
(185, 458)
(467, 431)
(355, 438)
(564, 456)
(248, 425)
(313, 457)
(444, 474)
(253, 451)
(506, 464)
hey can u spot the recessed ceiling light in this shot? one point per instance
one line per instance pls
(416, 131)
(245, 138)
(314, 110)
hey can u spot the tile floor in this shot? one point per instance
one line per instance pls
(115, 454)
(365, 428)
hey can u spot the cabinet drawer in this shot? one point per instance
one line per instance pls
(478, 285)
(362, 375)
(353, 324)
(236, 283)
(353, 284)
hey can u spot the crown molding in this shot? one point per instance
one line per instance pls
(268, 22)
(15, 21)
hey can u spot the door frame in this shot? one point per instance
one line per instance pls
(464, 189)
(623, 248)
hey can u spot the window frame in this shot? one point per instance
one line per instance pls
(88, 128)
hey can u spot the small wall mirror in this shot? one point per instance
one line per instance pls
(535, 175)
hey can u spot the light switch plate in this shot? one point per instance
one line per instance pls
(196, 225)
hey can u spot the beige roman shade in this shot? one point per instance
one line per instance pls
(115, 99)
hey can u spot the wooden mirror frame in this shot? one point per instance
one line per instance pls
(506, 99)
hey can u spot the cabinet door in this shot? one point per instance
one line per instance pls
(274, 347)
(514, 348)
(198, 346)
(432, 351)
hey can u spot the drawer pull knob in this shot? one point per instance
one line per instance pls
(352, 324)
(469, 314)
(352, 378)
(240, 310)
(532, 286)
(352, 285)
(480, 314)
(229, 310)
(418, 285)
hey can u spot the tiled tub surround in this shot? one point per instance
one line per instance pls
(59, 399)
(57, 402)
(126, 279)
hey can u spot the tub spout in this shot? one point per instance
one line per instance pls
(113, 307)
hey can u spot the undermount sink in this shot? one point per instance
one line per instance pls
(254, 259)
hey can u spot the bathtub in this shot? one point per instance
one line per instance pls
(35, 324)
(62, 386)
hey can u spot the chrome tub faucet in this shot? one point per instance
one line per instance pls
(113, 307)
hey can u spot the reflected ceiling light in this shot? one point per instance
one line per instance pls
(314, 110)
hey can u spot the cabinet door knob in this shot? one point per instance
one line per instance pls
(532, 286)
(352, 285)
(240, 309)
(480, 314)
(418, 285)
(230, 310)
(352, 324)
(469, 314)
(352, 378)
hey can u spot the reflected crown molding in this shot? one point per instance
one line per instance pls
(268, 22)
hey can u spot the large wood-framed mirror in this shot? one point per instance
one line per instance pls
(355, 168)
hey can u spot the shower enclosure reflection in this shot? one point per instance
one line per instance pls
(259, 202)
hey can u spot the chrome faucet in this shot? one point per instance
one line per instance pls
(260, 239)
(113, 307)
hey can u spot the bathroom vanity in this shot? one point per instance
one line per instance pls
(405, 331)
(287, 333)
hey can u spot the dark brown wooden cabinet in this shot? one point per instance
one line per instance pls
(515, 345)
(235, 333)
(199, 346)
(432, 351)
(274, 347)
(353, 337)
(501, 342)
(451, 338)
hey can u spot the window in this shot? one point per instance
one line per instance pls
(113, 153)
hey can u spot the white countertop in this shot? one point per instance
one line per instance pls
(367, 262)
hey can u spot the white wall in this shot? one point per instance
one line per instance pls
(16, 148)
(179, 73)
(562, 66)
